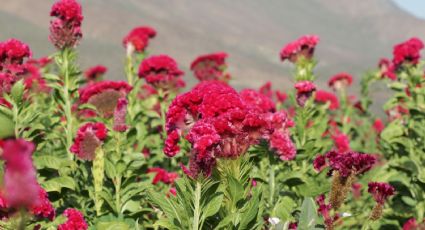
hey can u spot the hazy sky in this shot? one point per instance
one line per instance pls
(416, 7)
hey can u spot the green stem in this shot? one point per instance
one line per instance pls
(271, 183)
(129, 70)
(23, 220)
(98, 176)
(197, 211)
(67, 99)
(162, 102)
(117, 193)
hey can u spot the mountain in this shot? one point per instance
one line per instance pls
(354, 34)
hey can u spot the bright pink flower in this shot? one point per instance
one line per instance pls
(387, 69)
(323, 96)
(210, 67)
(162, 72)
(95, 73)
(304, 91)
(380, 191)
(20, 182)
(33, 79)
(378, 126)
(163, 176)
(257, 100)
(138, 38)
(408, 52)
(104, 95)
(89, 137)
(41, 62)
(341, 80)
(341, 142)
(13, 52)
(172, 191)
(45, 208)
(303, 46)
(75, 220)
(281, 142)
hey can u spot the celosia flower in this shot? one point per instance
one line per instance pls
(89, 137)
(341, 141)
(281, 96)
(412, 224)
(6, 83)
(378, 126)
(65, 30)
(44, 208)
(257, 100)
(33, 80)
(408, 52)
(13, 52)
(319, 162)
(138, 39)
(387, 69)
(340, 81)
(325, 209)
(20, 182)
(325, 97)
(104, 95)
(162, 72)
(163, 176)
(304, 91)
(146, 91)
(172, 192)
(75, 220)
(120, 114)
(210, 67)
(266, 89)
(95, 73)
(380, 192)
(302, 47)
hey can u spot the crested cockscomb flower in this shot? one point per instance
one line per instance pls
(33, 79)
(95, 73)
(75, 220)
(210, 67)
(319, 162)
(162, 72)
(89, 137)
(45, 208)
(304, 91)
(20, 182)
(323, 96)
(378, 125)
(120, 114)
(340, 81)
(407, 52)
(13, 52)
(397, 112)
(341, 142)
(104, 95)
(302, 47)
(163, 176)
(380, 192)
(65, 30)
(138, 39)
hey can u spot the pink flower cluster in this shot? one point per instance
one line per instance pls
(95, 73)
(75, 220)
(302, 47)
(161, 72)
(65, 30)
(163, 176)
(345, 163)
(138, 38)
(380, 191)
(340, 81)
(220, 123)
(13, 52)
(210, 67)
(44, 208)
(89, 137)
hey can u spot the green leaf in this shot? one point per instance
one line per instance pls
(112, 226)
(213, 205)
(56, 184)
(17, 91)
(47, 161)
(235, 188)
(284, 208)
(308, 216)
(7, 127)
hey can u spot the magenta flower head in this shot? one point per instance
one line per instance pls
(161, 72)
(75, 220)
(89, 137)
(407, 52)
(304, 91)
(161, 175)
(65, 30)
(138, 39)
(95, 73)
(45, 208)
(380, 192)
(342, 142)
(13, 52)
(302, 47)
(20, 182)
(324, 97)
(210, 67)
(340, 81)
(104, 95)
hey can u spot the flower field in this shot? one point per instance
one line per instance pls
(81, 152)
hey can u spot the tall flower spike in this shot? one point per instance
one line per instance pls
(302, 47)
(380, 192)
(210, 67)
(161, 72)
(89, 137)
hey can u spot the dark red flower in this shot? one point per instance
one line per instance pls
(75, 220)
(341, 80)
(380, 191)
(324, 210)
(45, 208)
(303, 46)
(408, 52)
(319, 162)
(163, 176)
(89, 137)
(210, 67)
(13, 52)
(138, 39)
(162, 72)
(95, 73)
(325, 97)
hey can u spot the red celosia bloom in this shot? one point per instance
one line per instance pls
(380, 191)
(303, 46)
(65, 30)
(412, 224)
(89, 137)
(162, 72)
(210, 67)
(324, 97)
(341, 141)
(120, 114)
(163, 176)
(281, 96)
(75, 220)
(41, 62)
(408, 52)
(13, 52)
(387, 69)
(378, 126)
(6, 82)
(319, 162)
(104, 95)
(45, 208)
(20, 182)
(304, 91)
(341, 80)
(172, 191)
(33, 80)
(95, 73)
(396, 112)
(138, 39)
(324, 209)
